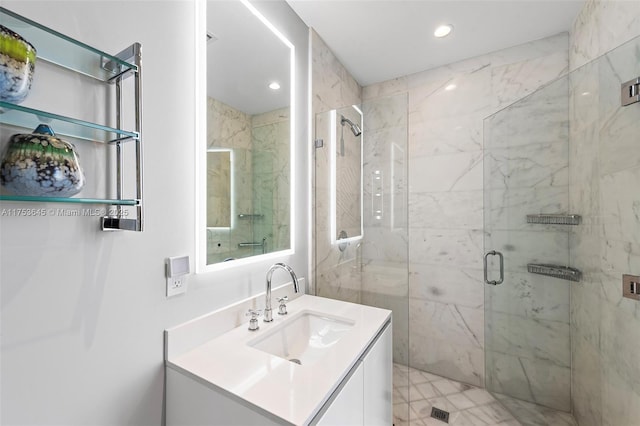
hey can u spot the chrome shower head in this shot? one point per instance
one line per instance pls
(354, 127)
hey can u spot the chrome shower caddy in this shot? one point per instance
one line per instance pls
(59, 49)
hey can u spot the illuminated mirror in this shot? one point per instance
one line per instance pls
(248, 134)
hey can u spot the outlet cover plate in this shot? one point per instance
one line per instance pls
(176, 285)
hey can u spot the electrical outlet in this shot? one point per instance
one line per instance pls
(631, 286)
(176, 270)
(176, 285)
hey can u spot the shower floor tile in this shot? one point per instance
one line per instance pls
(416, 392)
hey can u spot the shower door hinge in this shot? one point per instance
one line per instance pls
(631, 92)
(319, 143)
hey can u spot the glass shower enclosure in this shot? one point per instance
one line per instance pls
(360, 223)
(561, 172)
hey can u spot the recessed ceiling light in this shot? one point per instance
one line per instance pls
(274, 86)
(443, 30)
(450, 87)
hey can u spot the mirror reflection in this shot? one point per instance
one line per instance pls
(248, 135)
(219, 192)
(348, 172)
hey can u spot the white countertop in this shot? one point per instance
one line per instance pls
(292, 392)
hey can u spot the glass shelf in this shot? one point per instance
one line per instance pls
(29, 118)
(62, 50)
(69, 200)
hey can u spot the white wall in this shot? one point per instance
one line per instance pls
(83, 311)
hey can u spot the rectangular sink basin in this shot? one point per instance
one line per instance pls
(304, 339)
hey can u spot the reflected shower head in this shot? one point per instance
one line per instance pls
(354, 127)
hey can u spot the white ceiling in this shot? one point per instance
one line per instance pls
(377, 40)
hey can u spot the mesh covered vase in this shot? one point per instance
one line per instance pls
(40, 164)
(17, 64)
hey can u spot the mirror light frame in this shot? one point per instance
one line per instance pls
(200, 95)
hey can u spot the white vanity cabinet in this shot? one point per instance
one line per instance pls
(233, 378)
(347, 409)
(365, 398)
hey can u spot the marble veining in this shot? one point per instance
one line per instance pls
(604, 164)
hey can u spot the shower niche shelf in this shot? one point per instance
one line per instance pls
(556, 271)
(104, 69)
(554, 219)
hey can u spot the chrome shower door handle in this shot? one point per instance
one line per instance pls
(486, 271)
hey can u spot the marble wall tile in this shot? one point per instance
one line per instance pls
(333, 87)
(446, 247)
(584, 95)
(385, 245)
(619, 346)
(450, 135)
(531, 296)
(539, 117)
(385, 88)
(447, 210)
(534, 415)
(531, 379)
(441, 99)
(602, 25)
(385, 113)
(507, 208)
(451, 285)
(621, 397)
(528, 166)
(513, 81)
(529, 338)
(461, 325)
(586, 382)
(445, 358)
(442, 173)
(621, 207)
(384, 285)
(584, 36)
(522, 247)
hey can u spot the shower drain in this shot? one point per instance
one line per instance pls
(439, 414)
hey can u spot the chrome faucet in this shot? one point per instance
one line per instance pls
(268, 316)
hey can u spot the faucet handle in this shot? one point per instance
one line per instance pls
(282, 309)
(253, 322)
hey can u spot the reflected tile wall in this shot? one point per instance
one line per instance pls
(445, 196)
(260, 145)
(604, 168)
(271, 178)
(229, 128)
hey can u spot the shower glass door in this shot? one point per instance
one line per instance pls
(526, 206)
(562, 168)
(360, 218)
